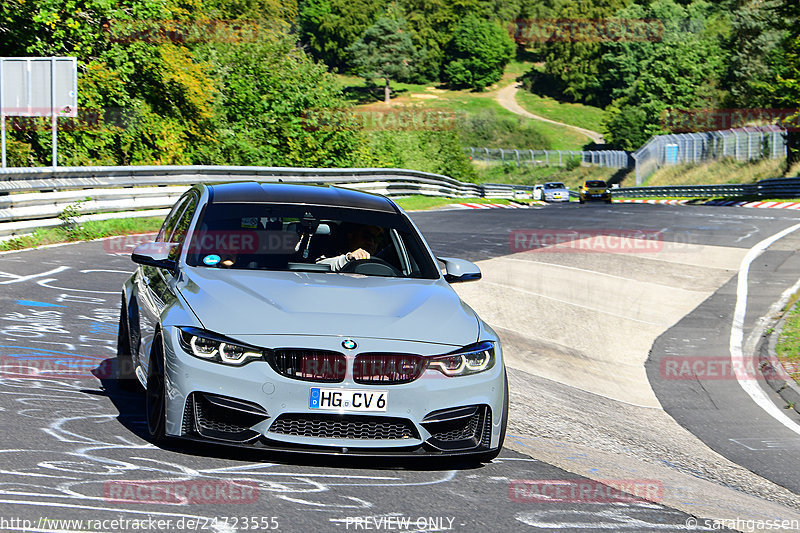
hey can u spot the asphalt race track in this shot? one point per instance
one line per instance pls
(74, 446)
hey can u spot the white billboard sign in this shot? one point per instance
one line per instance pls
(38, 87)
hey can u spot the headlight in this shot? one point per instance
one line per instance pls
(211, 347)
(468, 360)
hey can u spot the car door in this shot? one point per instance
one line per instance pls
(155, 286)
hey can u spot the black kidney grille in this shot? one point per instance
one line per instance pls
(387, 369)
(310, 365)
(344, 427)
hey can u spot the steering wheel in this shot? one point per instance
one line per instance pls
(374, 266)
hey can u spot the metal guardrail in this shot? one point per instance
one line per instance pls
(48, 178)
(769, 188)
(687, 191)
(35, 197)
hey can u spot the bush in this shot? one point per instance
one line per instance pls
(477, 54)
(573, 163)
(439, 152)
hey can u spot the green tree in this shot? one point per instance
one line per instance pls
(683, 70)
(478, 53)
(330, 27)
(757, 53)
(272, 98)
(433, 23)
(572, 57)
(787, 83)
(386, 51)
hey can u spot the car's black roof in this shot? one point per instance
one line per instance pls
(291, 193)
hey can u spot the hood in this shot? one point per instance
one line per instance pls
(244, 302)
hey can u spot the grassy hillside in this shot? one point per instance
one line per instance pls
(581, 115)
(718, 172)
(479, 119)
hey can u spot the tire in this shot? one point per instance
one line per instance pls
(156, 398)
(487, 457)
(126, 375)
(581, 201)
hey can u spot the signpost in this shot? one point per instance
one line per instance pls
(37, 87)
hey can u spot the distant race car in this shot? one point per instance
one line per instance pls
(555, 191)
(594, 190)
(538, 192)
(254, 321)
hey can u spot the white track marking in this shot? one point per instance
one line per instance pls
(18, 279)
(751, 386)
(46, 283)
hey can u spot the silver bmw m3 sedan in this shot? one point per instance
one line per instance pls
(308, 318)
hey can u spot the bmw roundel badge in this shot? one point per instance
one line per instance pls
(349, 344)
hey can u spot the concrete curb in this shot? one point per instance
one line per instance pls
(717, 203)
(492, 206)
(755, 205)
(774, 373)
(667, 202)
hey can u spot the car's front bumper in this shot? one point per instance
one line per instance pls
(595, 195)
(559, 198)
(273, 410)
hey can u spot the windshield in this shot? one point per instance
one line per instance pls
(553, 185)
(596, 184)
(308, 238)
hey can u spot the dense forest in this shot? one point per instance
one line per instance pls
(247, 82)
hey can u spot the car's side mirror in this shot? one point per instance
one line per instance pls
(155, 254)
(457, 270)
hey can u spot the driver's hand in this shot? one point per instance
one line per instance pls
(357, 254)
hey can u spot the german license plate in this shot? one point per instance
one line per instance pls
(354, 400)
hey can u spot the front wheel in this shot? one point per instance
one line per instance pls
(126, 375)
(156, 394)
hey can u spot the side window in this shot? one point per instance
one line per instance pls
(182, 226)
(171, 220)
